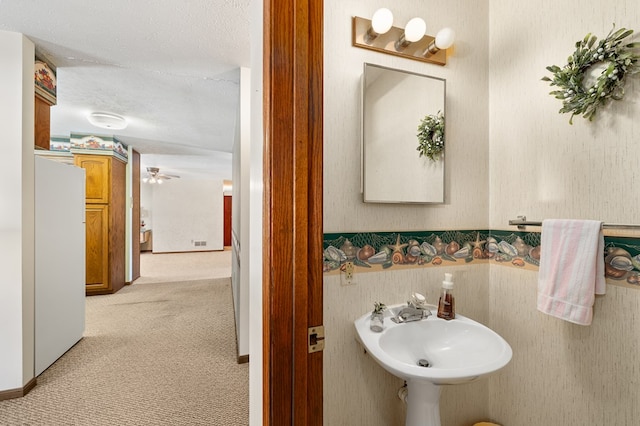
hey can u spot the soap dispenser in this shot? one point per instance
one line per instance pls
(447, 303)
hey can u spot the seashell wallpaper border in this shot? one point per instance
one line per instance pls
(381, 251)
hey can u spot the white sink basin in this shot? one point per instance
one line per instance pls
(457, 351)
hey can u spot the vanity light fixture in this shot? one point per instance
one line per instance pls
(380, 35)
(381, 22)
(444, 40)
(413, 31)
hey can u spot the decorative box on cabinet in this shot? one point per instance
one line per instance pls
(45, 85)
(105, 222)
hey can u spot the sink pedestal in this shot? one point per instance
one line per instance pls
(423, 403)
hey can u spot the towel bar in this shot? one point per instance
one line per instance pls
(521, 222)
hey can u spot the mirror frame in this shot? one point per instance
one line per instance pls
(402, 165)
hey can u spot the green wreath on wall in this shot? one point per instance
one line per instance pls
(431, 136)
(619, 60)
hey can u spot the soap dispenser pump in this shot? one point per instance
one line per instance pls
(447, 303)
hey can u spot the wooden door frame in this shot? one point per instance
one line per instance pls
(292, 250)
(135, 215)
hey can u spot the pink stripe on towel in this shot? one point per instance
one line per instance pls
(571, 268)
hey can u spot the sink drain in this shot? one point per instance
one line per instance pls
(424, 363)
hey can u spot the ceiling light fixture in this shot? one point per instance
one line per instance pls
(154, 176)
(107, 120)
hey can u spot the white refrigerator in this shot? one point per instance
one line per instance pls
(60, 259)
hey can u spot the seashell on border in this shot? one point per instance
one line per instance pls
(414, 250)
(452, 247)
(635, 261)
(611, 272)
(462, 253)
(335, 254)
(478, 253)
(633, 279)
(330, 265)
(409, 258)
(534, 252)
(521, 246)
(365, 252)
(621, 263)
(349, 249)
(439, 245)
(428, 249)
(397, 258)
(379, 257)
(492, 247)
(617, 251)
(507, 248)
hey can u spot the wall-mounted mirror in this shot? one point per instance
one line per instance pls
(394, 103)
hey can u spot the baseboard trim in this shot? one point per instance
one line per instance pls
(243, 359)
(18, 393)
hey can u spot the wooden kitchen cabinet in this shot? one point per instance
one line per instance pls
(98, 171)
(105, 204)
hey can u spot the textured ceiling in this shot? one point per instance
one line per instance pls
(171, 67)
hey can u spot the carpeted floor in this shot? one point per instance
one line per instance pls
(154, 354)
(164, 267)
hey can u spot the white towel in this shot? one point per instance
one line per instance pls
(571, 268)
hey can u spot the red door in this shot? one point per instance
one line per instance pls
(227, 220)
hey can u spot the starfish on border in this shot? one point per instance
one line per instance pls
(397, 247)
(477, 243)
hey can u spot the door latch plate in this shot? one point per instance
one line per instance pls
(316, 339)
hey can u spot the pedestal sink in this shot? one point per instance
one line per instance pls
(430, 353)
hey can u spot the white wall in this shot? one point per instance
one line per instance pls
(240, 211)
(16, 211)
(354, 387)
(146, 205)
(543, 167)
(187, 210)
(255, 220)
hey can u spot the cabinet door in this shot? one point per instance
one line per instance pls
(98, 171)
(97, 248)
(42, 124)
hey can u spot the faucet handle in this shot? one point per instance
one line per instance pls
(417, 300)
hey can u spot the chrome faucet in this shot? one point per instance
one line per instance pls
(414, 311)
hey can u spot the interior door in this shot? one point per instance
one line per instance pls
(292, 250)
(227, 221)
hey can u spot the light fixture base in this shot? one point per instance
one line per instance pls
(385, 43)
(107, 120)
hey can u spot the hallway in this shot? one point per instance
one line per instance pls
(161, 353)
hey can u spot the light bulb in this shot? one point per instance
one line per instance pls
(445, 38)
(152, 180)
(159, 181)
(415, 29)
(382, 20)
(145, 180)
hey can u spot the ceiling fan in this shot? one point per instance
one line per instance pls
(154, 176)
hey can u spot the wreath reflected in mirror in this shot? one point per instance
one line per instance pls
(612, 57)
(431, 136)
